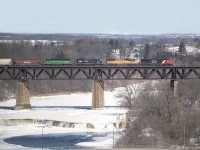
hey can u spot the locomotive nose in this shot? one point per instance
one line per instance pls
(169, 62)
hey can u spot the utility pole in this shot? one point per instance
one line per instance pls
(114, 125)
(42, 136)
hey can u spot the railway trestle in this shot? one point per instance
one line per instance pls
(98, 74)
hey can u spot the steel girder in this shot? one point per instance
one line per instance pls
(100, 72)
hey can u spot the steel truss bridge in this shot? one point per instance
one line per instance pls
(98, 72)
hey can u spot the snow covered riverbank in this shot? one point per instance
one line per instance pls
(74, 108)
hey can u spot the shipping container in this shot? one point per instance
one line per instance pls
(5, 61)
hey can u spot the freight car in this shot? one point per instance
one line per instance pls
(82, 61)
(22, 62)
(5, 61)
(56, 62)
(156, 62)
(122, 62)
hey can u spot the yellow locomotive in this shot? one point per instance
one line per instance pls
(122, 62)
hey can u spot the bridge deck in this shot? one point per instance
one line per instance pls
(98, 72)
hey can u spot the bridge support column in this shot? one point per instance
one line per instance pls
(22, 101)
(174, 87)
(98, 95)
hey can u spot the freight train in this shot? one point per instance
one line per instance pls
(26, 62)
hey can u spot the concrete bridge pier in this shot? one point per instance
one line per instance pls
(174, 87)
(98, 95)
(23, 93)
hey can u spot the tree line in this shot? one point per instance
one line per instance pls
(81, 47)
(157, 116)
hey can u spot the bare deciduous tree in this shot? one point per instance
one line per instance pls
(129, 96)
(171, 119)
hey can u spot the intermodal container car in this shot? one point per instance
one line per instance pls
(56, 62)
(5, 61)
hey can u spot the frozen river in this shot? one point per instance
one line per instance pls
(74, 109)
(34, 136)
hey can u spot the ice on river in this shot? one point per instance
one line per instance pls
(73, 108)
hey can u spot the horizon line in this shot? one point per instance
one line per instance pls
(86, 33)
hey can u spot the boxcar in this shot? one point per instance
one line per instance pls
(26, 61)
(56, 62)
(82, 61)
(5, 61)
(122, 62)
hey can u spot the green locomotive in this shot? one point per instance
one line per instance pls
(56, 62)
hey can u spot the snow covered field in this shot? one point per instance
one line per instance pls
(74, 108)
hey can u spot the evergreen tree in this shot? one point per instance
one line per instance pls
(60, 55)
(132, 44)
(182, 49)
(111, 43)
(146, 51)
(116, 44)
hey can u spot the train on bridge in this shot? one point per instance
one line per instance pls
(81, 61)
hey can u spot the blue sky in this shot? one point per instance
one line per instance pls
(100, 16)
